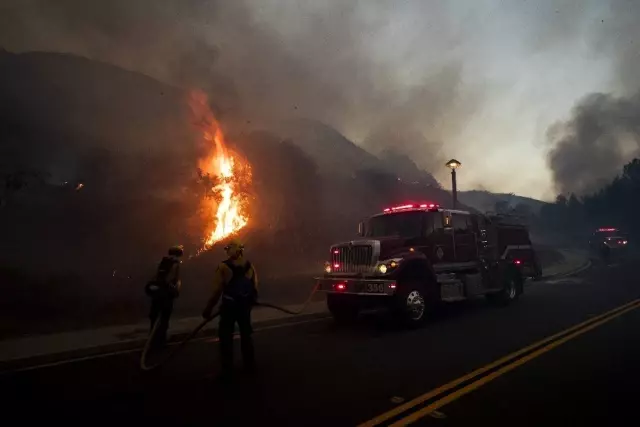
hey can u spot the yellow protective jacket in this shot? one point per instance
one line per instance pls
(224, 274)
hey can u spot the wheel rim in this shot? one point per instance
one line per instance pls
(415, 305)
(511, 289)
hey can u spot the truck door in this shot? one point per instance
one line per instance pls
(464, 238)
(479, 234)
(441, 237)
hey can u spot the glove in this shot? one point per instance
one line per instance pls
(151, 288)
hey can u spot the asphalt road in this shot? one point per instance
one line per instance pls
(315, 373)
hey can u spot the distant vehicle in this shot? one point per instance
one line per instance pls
(413, 257)
(608, 243)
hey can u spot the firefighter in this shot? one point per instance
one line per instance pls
(605, 252)
(236, 283)
(163, 290)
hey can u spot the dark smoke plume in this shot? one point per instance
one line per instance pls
(591, 148)
(603, 133)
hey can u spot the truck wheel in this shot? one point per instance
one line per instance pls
(512, 289)
(342, 310)
(411, 304)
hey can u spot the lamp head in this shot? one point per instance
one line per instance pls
(453, 164)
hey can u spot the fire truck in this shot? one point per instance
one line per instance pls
(608, 243)
(415, 257)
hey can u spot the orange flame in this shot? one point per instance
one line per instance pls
(226, 211)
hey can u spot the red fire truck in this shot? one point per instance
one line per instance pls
(412, 258)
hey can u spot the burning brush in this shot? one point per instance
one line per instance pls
(227, 176)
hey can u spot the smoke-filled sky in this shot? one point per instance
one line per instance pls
(503, 86)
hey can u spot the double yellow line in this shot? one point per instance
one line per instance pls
(430, 402)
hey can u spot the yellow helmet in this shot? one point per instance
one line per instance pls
(177, 250)
(234, 244)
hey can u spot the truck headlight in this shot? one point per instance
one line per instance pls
(388, 266)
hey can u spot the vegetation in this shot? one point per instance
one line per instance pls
(615, 205)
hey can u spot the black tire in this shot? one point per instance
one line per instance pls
(512, 289)
(412, 303)
(343, 309)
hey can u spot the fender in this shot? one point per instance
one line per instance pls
(414, 265)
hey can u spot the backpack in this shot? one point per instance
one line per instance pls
(240, 287)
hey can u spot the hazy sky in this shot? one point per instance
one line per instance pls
(478, 80)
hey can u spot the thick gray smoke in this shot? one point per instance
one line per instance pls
(410, 75)
(603, 132)
(592, 147)
(267, 61)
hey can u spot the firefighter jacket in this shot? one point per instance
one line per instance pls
(231, 277)
(167, 281)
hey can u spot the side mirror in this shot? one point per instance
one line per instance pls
(361, 229)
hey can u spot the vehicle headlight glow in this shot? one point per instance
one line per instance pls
(327, 267)
(387, 266)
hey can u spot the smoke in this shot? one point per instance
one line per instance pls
(603, 133)
(430, 80)
(592, 147)
(267, 61)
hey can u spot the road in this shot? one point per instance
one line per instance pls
(315, 373)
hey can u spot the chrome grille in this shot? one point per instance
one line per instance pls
(352, 258)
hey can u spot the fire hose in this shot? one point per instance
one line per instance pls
(149, 367)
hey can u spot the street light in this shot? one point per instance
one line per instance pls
(453, 164)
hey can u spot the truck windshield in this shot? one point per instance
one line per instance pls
(402, 224)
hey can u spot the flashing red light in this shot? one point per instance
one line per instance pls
(517, 262)
(415, 206)
(336, 265)
(341, 286)
(392, 286)
(399, 208)
(336, 252)
(607, 229)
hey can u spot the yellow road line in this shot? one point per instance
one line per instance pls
(487, 379)
(444, 388)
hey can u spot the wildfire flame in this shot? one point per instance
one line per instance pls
(225, 208)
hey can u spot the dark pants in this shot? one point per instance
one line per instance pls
(162, 307)
(230, 313)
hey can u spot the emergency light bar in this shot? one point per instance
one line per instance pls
(413, 206)
(607, 229)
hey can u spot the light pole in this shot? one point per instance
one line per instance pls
(453, 164)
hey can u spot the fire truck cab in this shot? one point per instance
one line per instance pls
(414, 257)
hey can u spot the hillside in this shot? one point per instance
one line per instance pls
(87, 103)
(337, 156)
(485, 201)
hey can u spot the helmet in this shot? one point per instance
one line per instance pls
(177, 250)
(234, 244)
